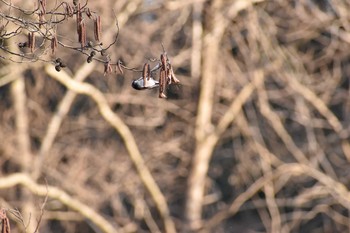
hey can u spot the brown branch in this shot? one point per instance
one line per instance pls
(23, 139)
(203, 125)
(42, 210)
(56, 193)
(57, 119)
(205, 147)
(129, 141)
(336, 189)
(320, 105)
(278, 126)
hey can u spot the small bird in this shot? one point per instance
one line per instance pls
(142, 83)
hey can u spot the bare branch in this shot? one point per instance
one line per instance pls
(56, 193)
(129, 141)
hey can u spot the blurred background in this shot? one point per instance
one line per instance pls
(255, 138)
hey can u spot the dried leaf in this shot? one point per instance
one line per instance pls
(119, 65)
(107, 69)
(172, 77)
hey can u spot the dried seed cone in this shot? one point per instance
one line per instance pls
(162, 96)
(58, 68)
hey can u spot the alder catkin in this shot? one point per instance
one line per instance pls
(79, 19)
(29, 38)
(41, 19)
(54, 44)
(148, 71)
(31, 41)
(69, 10)
(82, 38)
(162, 83)
(5, 224)
(97, 28)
